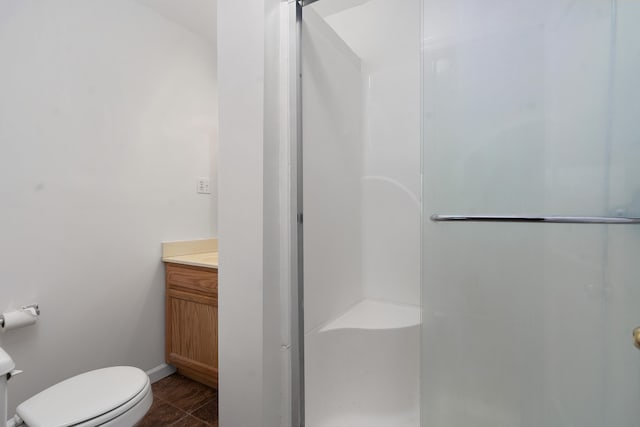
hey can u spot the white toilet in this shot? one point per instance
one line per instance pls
(119, 396)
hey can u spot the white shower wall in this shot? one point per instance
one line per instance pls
(333, 169)
(361, 142)
(386, 36)
(361, 67)
(391, 183)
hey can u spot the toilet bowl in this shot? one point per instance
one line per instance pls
(118, 396)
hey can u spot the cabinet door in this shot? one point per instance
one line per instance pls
(192, 335)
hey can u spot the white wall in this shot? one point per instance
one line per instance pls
(241, 97)
(107, 117)
(251, 380)
(278, 221)
(333, 147)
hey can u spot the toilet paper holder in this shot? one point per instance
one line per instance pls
(33, 309)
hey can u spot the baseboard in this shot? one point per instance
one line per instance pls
(160, 371)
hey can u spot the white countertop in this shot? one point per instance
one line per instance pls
(205, 259)
(199, 253)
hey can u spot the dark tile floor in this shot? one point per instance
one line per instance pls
(181, 402)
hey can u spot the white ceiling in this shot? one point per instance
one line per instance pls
(199, 16)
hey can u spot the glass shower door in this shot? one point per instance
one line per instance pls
(530, 108)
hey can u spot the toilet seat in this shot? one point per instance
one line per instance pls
(95, 398)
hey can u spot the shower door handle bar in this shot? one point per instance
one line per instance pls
(550, 219)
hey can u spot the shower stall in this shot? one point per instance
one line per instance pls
(469, 213)
(361, 184)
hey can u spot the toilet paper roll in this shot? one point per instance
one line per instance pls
(17, 319)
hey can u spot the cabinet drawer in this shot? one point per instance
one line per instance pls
(198, 279)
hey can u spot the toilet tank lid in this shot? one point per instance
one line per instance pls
(83, 397)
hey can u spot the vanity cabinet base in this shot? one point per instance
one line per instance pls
(191, 340)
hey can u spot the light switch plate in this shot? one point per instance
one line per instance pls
(203, 186)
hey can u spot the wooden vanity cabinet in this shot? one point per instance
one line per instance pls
(192, 321)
